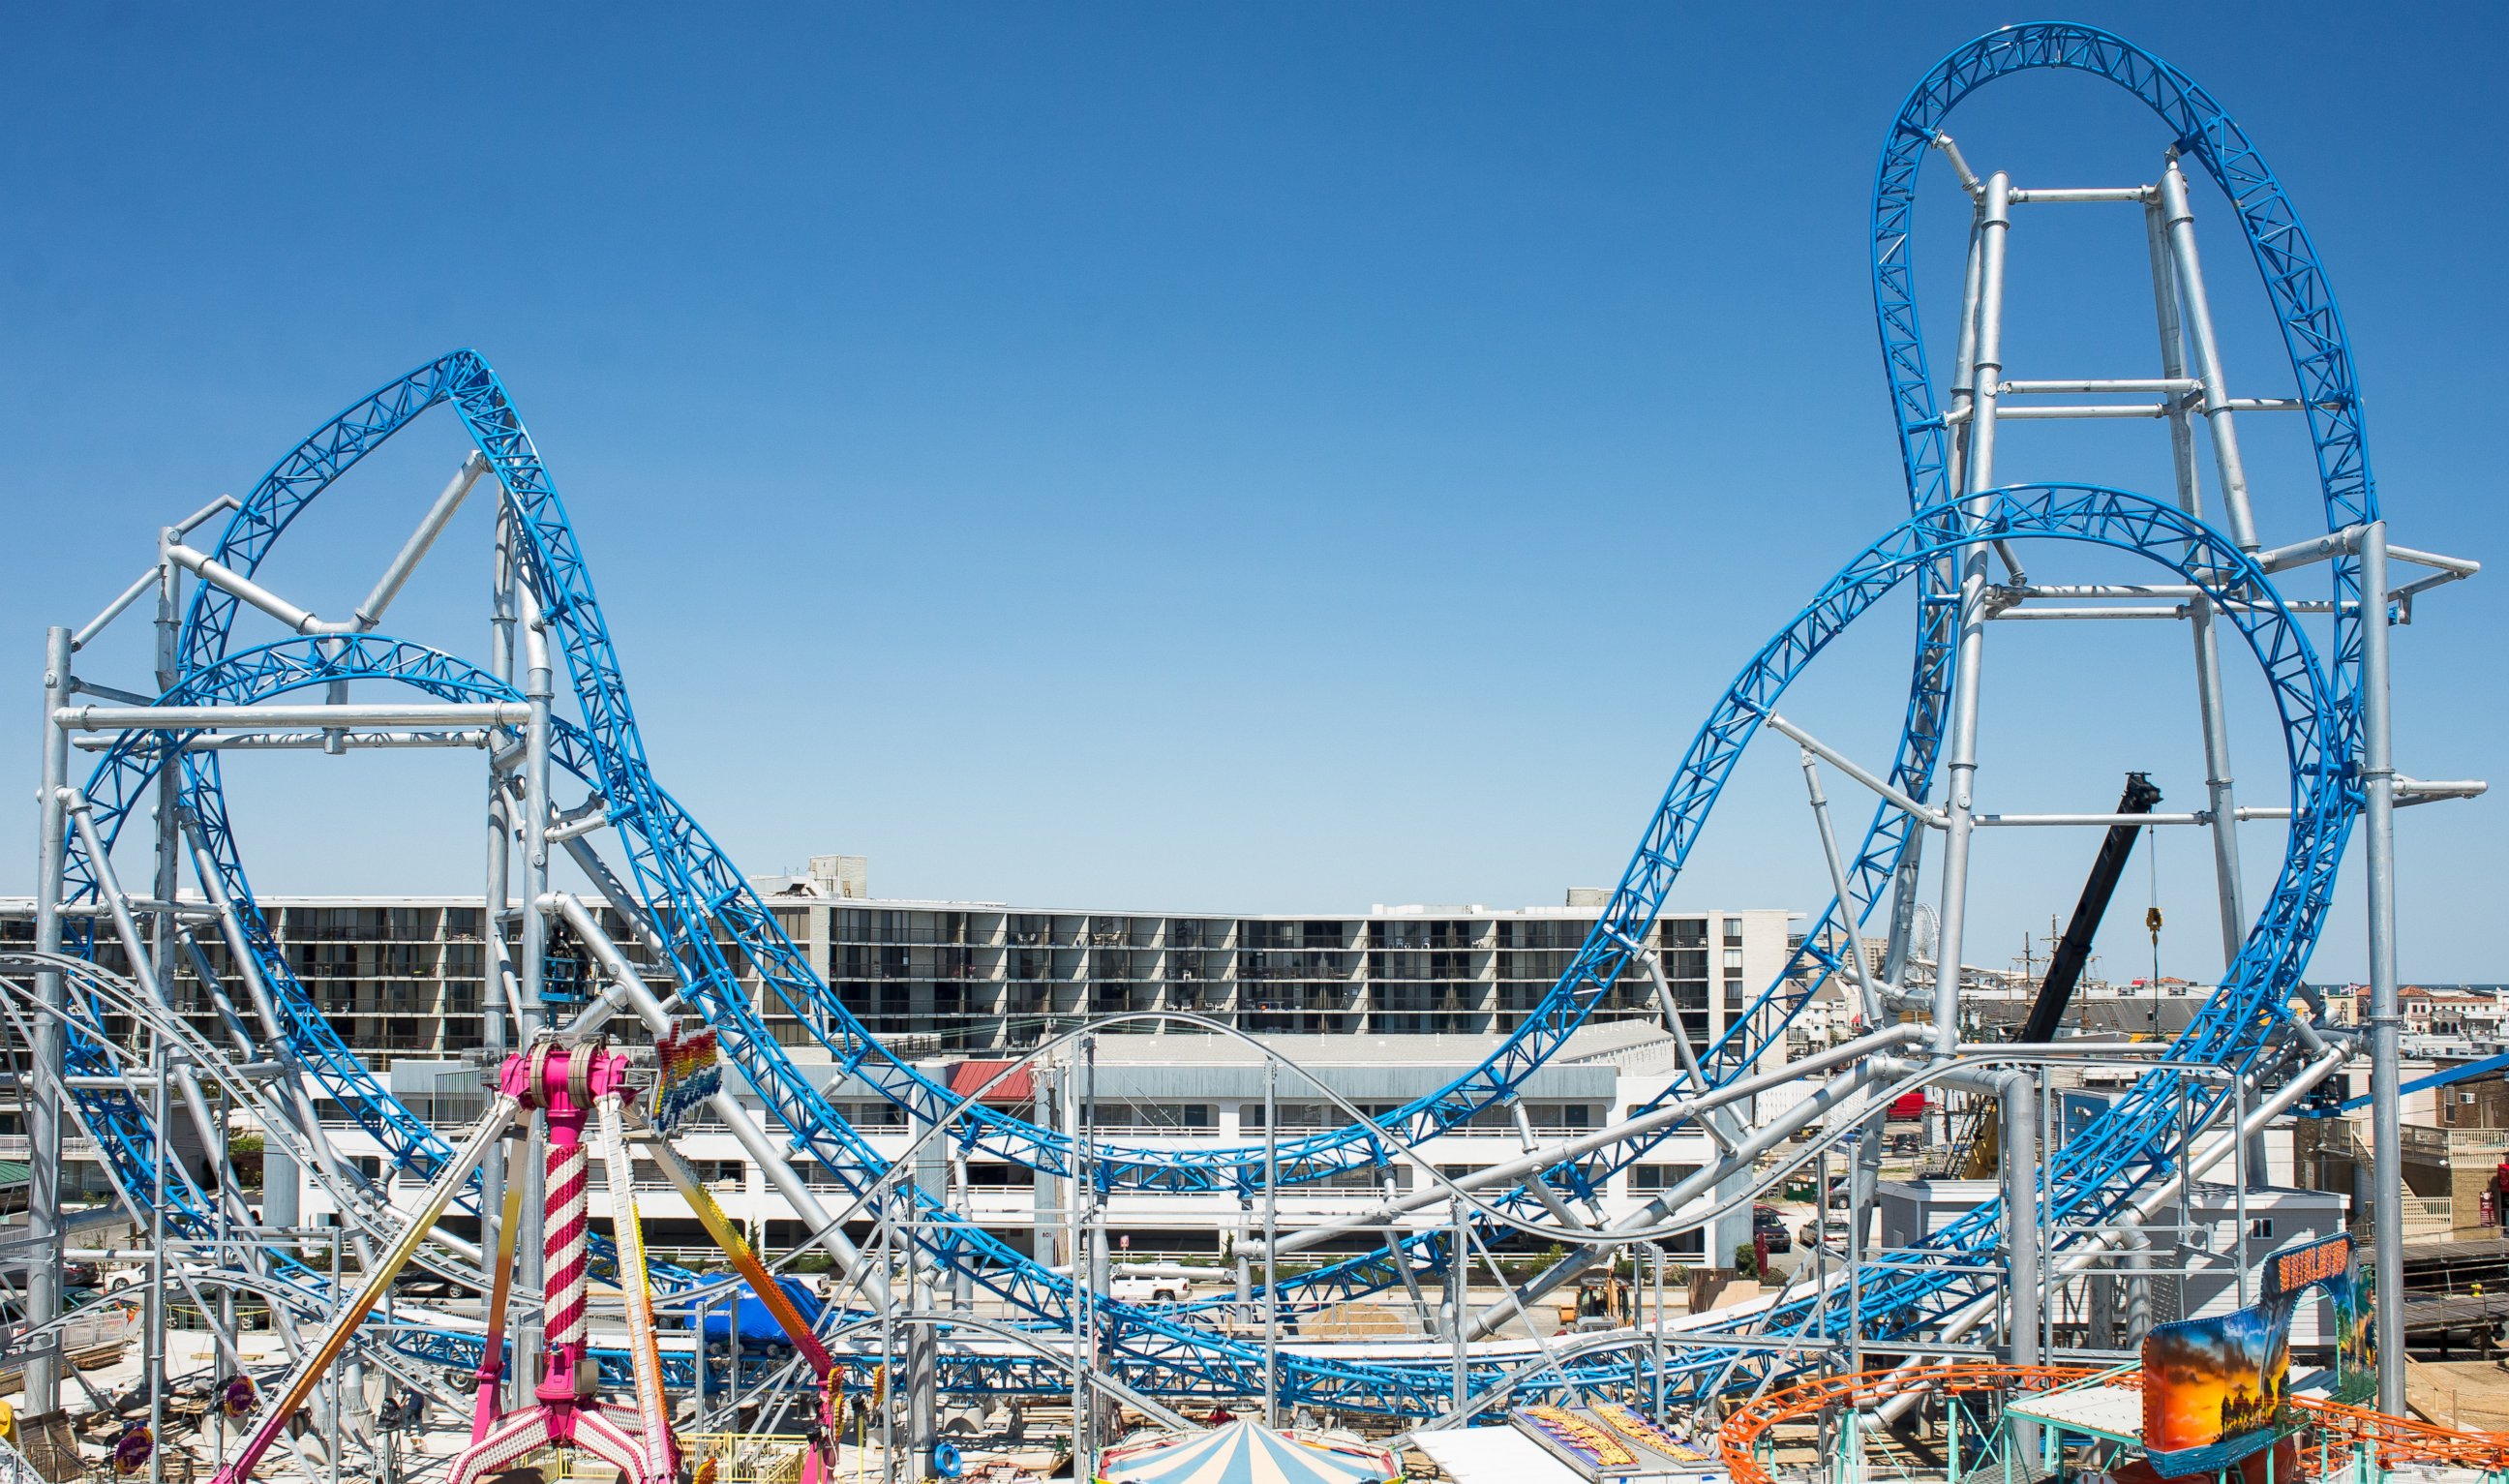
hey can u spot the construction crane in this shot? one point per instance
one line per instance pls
(2072, 951)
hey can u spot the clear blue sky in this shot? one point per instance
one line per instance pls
(1281, 458)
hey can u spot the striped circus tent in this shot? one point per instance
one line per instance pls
(1246, 1452)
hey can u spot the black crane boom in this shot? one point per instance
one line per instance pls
(2074, 949)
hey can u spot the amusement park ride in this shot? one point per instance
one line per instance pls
(946, 1309)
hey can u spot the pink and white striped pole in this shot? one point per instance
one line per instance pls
(565, 1084)
(566, 1242)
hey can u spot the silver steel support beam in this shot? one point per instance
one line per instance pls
(2089, 411)
(2220, 790)
(307, 741)
(414, 551)
(1959, 163)
(620, 897)
(2083, 412)
(2379, 824)
(2413, 790)
(1907, 885)
(1078, 1117)
(532, 986)
(1994, 221)
(44, 1116)
(2010, 821)
(535, 856)
(85, 687)
(1708, 1177)
(2315, 548)
(2047, 195)
(143, 963)
(2101, 590)
(824, 1228)
(2138, 1282)
(219, 575)
(1540, 1189)
(2462, 567)
(1963, 381)
(497, 975)
(1400, 1262)
(247, 967)
(2017, 1106)
(1852, 769)
(172, 1076)
(1719, 1122)
(165, 833)
(203, 516)
(564, 829)
(288, 718)
(2182, 610)
(2010, 593)
(2169, 383)
(1849, 915)
(2178, 220)
(1508, 1171)
(152, 579)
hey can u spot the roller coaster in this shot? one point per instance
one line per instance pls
(549, 708)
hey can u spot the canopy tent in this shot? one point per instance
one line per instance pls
(1246, 1452)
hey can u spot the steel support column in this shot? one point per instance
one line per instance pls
(2221, 797)
(2379, 824)
(495, 964)
(44, 1115)
(1995, 223)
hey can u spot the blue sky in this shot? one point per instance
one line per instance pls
(1275, 457)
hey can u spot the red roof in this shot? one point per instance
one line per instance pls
(1018, 1088)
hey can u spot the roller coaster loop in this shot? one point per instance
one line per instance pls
(713, 928)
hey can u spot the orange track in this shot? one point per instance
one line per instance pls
(2398, 1439)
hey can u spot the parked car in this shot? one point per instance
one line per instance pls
(1766, 1221)
(1831, 1230)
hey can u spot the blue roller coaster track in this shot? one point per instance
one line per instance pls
(714, 929)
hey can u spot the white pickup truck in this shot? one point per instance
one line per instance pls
(1137, 1287)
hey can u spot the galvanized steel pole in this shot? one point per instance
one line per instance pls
(1995, 222)
(2180, 221)
(1272, 1239)
(2379, 818)
(2221, 795)
(44, 1115)
(496, 893)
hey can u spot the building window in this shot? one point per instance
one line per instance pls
(1158, 1117)
(1310, 1115)
(1659, 1177)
